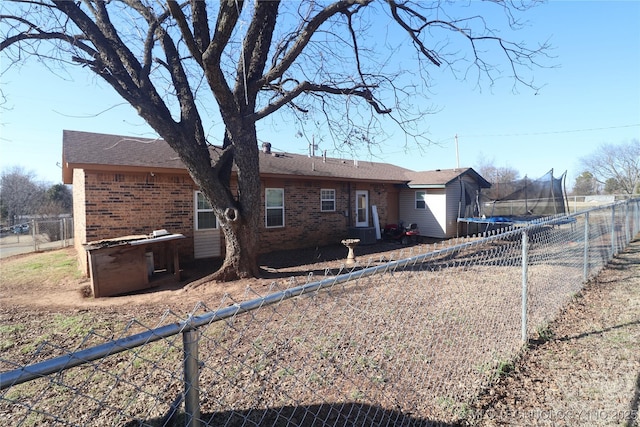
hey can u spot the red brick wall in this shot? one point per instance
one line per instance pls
(117, 205)
(305, 225)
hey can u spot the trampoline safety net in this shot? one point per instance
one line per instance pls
(529, 197)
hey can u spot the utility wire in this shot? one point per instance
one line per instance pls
(546, 132)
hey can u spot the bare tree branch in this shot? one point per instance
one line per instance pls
(194, 47)
(413, 32)
(255, 49)
(227, 19)
(258, 57)
(363, 91)
(304, 36)
(618, 162)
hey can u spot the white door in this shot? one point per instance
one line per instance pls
(362, 208)
(206, 234)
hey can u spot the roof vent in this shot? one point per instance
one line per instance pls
(266, 147)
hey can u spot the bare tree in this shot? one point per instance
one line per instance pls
(172, 61)
(616, 166)
(502, 179)
(20, 194)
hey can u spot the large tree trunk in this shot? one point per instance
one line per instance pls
(241, 226)
(238, 214)
(241, 258)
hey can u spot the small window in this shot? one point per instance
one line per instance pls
(421, 197)
(327, 200)
(205, 218)
(274, 207)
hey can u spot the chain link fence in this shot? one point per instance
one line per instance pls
(406, 342)
(36, 235)
(577, 202)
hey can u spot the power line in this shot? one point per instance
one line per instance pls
(555, 132)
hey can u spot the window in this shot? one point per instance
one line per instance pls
(274, 207)
(327, 200)
(205, 218)
(421, 197)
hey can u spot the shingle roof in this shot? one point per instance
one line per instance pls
(442, 177)
(295, 164)
(87, 149)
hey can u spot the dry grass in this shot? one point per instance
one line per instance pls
(404, 347)
(586, 371)
(44, 268)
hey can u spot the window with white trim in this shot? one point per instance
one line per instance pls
(204, 216)
(327, 200)
(421, 200)
(274, 207)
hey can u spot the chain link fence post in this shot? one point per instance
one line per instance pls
(191, 378)
(280, 360)
(34, 233)
(627, 232)
(613, 230)
(636, 222)
(525, 270)
(585, 273)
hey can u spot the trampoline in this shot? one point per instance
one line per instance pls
(529, 201)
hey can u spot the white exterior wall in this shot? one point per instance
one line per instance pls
(431, 221)
(206, 243)
(440, 219)
(453, 207)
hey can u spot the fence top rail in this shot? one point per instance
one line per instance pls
(626, 202)
(61, 363)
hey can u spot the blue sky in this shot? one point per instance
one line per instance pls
(590, 98)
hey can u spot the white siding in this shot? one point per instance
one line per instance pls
(431, 221)
(440, 219)
(206, 243)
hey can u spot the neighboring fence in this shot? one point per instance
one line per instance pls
(36, 235)
(577, 203)
(402, 342)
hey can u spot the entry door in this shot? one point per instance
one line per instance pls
(362, 208)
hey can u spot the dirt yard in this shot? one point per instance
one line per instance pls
(585, 372)
(278, 266)
(588, 372)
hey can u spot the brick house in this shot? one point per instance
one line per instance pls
(128, 186)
